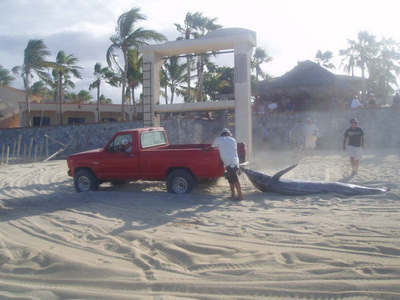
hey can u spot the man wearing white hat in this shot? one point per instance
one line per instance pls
(227, 147)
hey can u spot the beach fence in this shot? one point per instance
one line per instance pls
(32, 150)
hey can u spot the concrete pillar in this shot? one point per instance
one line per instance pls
(151, 87)
(243, 129)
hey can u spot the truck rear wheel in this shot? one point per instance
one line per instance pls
(180, 182)
(85, 181)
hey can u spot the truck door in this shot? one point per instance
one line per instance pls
(120, 159)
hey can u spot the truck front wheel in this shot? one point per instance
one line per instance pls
(85, 181)
(180, 182)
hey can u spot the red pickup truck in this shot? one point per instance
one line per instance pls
(144, 154)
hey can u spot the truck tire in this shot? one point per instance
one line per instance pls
(180, 182)
(84, 181)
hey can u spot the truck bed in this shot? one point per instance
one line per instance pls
(241, 148)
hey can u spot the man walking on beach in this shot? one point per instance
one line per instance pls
(227, 147)
(354, 139)
(310, 136)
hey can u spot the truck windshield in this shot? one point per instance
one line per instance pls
(152, 138)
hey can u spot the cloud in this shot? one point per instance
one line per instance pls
(88, 48)
(81, 28)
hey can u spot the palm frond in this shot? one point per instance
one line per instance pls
(127, 20)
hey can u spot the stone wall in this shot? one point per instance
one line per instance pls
(90, 136)
(380, 127)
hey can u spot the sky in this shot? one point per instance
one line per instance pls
(289, 30)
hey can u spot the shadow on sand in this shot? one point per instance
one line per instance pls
(133, 204)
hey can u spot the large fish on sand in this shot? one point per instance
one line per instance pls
(275, 184)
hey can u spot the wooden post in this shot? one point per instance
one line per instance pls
(14, 149)
(46, 140)
(24, 155)
(2, 153)
(42, 150)
(30, 149)
(7, 154)
(19, 146)
(35, 156)
(54, 154)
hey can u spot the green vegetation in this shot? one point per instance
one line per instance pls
(173, 76)
(377, 59)
(127, 36)
(5, 77)
(102, 74)
(196, 26)
(35, 62)
(65, 67)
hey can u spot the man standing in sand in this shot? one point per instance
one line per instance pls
(310, 136)
(355, 103)
(227, 147)
(296, 136)
(354, 139)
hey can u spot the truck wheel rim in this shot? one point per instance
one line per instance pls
(83, 183)
(180, 185)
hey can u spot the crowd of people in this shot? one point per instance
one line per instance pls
(287, 104)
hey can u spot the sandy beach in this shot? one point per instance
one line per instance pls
(136, 241)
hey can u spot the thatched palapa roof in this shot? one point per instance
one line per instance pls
(306, 74)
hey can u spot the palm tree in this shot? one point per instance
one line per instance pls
(348, 61)
(84, 96)
(218, 81)
(65, 67)
(101, 73)
(260, 56)
(51, 80)
(323, 58)
(134, 74)
(204, 25)
(34, 63)
(175, 76)
(39, 88)
(5, 77)
(104, 100)
(190, 25)
(71, 97)
(164, 83)
(384, 68)
(362, 51)
(125, 37)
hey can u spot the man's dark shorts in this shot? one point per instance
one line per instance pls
(232, 174)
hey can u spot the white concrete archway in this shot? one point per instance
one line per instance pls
(242, 41)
